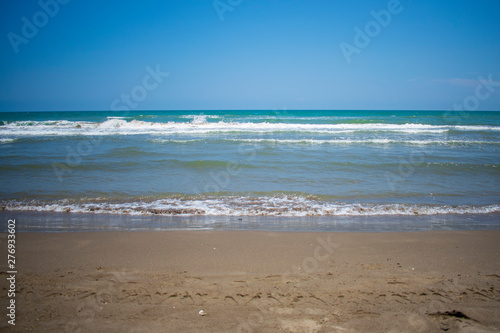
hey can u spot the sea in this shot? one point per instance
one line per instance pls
(281, 170)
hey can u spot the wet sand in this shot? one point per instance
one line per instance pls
(255, 282)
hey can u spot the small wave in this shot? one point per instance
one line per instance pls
(199, 125)
(365, 141)
(199, 118)
(333, 141)
(176, 141)
(110, 117)
(191, 116)
(7, 140)
(113, 122)
(247, 206)
(477, 128)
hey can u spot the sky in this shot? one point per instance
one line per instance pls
(74, 55)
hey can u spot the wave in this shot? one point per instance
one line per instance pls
(291, 206)
(476, 128)
(199, 118)
(6, 140)
(333, 141)
(176, 141)
(365, 141)
(199, 125)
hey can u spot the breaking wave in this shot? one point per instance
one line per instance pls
(292, 206)
(199, 125)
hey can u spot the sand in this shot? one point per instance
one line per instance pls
(255, 282)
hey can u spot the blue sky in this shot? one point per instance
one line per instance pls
(248, 54)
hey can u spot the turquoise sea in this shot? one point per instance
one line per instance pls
(229, 169)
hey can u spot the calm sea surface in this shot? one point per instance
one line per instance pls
(245, 164)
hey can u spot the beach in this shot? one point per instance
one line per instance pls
(254, 281)
(250, 221)
(250, 166)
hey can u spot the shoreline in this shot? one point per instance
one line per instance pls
(257, 281)
(94, 222)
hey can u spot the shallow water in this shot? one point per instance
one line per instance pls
(77, 222)
(251, 163)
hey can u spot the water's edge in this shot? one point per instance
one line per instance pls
(78, 222)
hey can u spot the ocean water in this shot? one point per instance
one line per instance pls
(246, 164)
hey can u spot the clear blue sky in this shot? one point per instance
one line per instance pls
(262, 54)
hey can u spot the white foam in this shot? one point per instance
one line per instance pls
(199, 125)
(113, 123)
(477, 128)
(339, 141)
(176, 141)
(335, 141)
(45, 128)
(7, 140)
(249, 206)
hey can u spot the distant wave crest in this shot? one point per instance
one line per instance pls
(200, 125)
